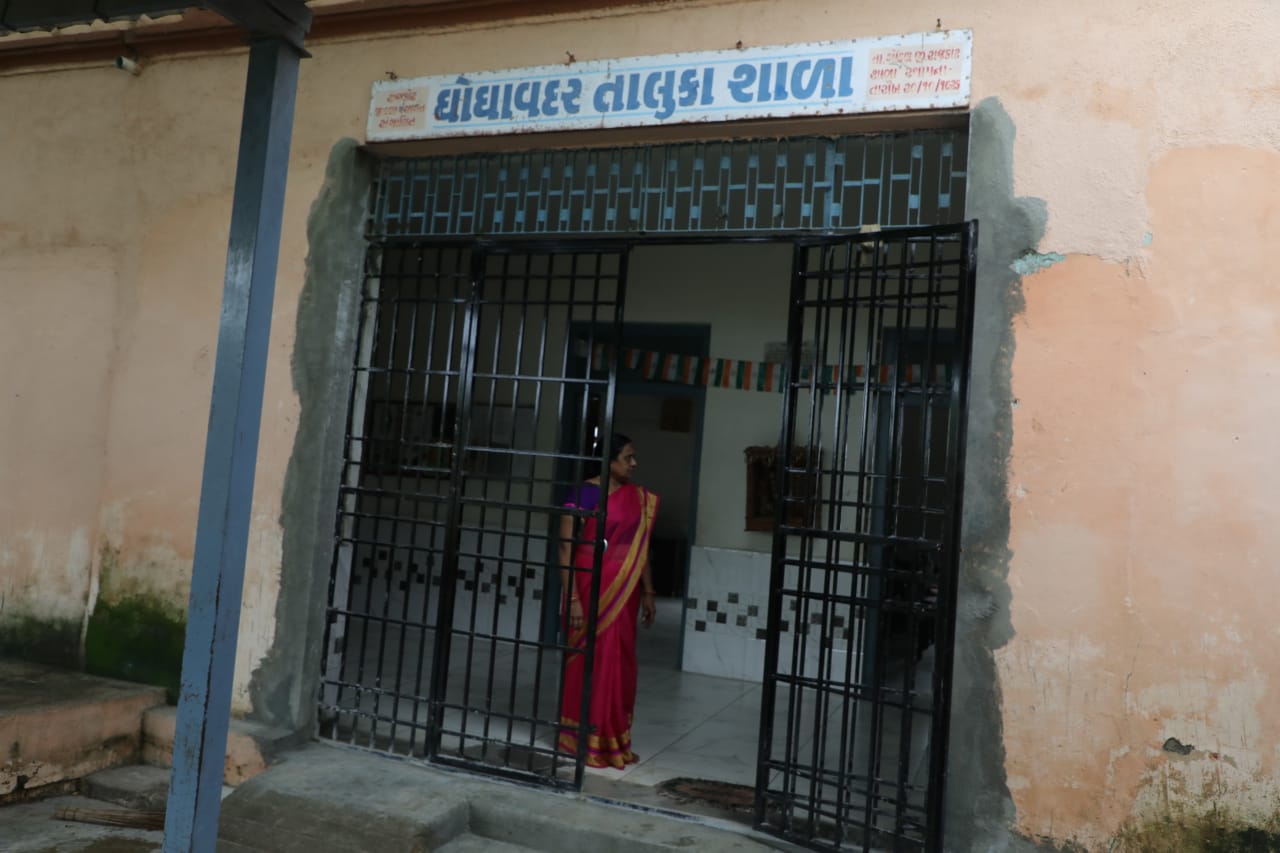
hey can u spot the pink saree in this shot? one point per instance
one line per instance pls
(629, 521)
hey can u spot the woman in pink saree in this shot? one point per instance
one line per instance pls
(626, 594)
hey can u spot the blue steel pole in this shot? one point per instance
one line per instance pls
(222, 531)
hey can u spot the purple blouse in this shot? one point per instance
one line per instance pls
(584, 497)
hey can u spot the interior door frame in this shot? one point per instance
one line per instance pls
(700, 333)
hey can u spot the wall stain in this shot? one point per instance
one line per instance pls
(139, 638)
(55, 642)
(1217, 831)
(135, 637)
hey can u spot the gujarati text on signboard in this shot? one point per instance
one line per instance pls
(911, 72)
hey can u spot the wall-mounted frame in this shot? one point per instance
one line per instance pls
(762, 479)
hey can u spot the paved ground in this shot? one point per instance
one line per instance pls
(329, 799)
(30, 828)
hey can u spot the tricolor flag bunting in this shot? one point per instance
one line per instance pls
(766, 376)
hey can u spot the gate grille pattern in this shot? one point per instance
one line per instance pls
(800, 184)
(856, 699)
(471, 396)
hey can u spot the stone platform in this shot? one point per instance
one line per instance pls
(328, 799)
(58, 726)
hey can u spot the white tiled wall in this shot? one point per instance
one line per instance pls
(727, 615)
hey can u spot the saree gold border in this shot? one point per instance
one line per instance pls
(646, 517)
(627, 575)
(595, 741)
(618, 759)
(629, 578)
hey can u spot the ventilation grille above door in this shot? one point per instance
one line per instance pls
(801, 184)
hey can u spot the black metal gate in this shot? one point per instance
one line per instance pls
(475, 405)
(856, 699)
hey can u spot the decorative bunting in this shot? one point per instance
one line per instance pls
(748, 375)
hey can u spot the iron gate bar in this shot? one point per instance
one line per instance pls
(475, 600)
(864, 515)
(478, 305)
(524, 554)
(890, 486)
(452, 543)
(885, 789)
(874, 769)
(395, 521)
(905, 734)
(848, 333)
(384, 281)
(768, 693)
(959, 399)
(396, 525)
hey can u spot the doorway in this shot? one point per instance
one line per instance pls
(665, 420)
(483, 357)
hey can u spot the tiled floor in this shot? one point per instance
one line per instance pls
(687, 724)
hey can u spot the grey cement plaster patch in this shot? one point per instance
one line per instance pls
(980, 811)
(283, 687)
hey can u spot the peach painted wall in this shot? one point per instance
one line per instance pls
(62, 235)
(1144, 526)
(113, 230)
(1143, 529)
(1140, 471)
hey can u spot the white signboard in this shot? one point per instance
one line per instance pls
(913, 72)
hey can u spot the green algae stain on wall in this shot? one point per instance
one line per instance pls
(136, 638)
(50, 641)
(1216, 831)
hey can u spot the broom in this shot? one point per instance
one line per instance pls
(133, 818)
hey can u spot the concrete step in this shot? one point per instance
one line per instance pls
(59, 725)
(138, 786)
(326, 798)
(469, 843)
(251, 746)
(257, 819)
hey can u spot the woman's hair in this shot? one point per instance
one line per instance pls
(592, 468)
(619, 441)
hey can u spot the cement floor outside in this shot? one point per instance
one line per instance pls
(30, 828)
